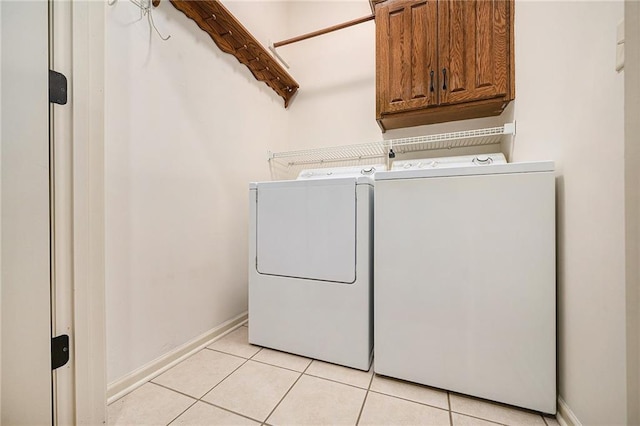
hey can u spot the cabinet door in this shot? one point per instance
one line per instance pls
(474, 50)
(406, 34)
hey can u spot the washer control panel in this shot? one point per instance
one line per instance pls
(446, 162)
(337, 172)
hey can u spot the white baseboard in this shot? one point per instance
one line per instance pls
(565, 416)
(118, 388)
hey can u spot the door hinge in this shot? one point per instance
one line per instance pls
(59, 351)
(57, 88)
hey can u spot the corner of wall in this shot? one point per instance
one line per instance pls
(632, 205)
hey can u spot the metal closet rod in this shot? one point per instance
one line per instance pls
(325, 30)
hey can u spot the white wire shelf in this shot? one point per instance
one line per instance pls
(463, 139)
(348, 155)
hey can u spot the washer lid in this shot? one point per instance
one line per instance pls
(536, 166)
(307, 229)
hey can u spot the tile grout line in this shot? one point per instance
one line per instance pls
(308, 374)
(259, 350)
(279, 366)
(229, 353)
(227, 376)
(285, 394)
(229, 411)
(176, 391)
(495, 404)
(187, 409)
(196, 400)
(236, 369)
(479, 418)
(199, 399)
(410, 400)
(498, 404)
(246, 360)
(366, 395)
(206, 402)
(449, 404)
(335, 381)
(180, 393)
(203, 401)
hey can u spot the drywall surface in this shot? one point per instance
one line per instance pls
(336, 72)
(187, 128)
(632, 203)
(570, 108)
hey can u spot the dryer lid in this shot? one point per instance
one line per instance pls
(307, 229)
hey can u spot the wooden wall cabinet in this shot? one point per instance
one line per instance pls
(442, 60)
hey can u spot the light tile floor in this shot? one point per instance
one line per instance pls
(234, 383)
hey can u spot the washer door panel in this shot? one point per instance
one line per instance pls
(307, 229)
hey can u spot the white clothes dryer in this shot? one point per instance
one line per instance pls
(310, 265)
(465, 296)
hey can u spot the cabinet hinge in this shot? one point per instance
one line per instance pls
(57, 88)
(59, 351)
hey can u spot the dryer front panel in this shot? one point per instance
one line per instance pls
(307, 229)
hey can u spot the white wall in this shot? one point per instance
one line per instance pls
(1, 404)
(570, 108)
(336, 72)
(632, 203)
(187, 128)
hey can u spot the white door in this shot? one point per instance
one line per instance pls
(25, 309)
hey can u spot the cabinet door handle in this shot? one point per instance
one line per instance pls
(444, 79)
(431, 89)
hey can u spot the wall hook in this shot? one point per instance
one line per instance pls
(145, 10)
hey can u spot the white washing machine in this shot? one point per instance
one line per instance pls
(310, 265)
(465, 296)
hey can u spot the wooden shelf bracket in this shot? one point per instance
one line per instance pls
(233, 38)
